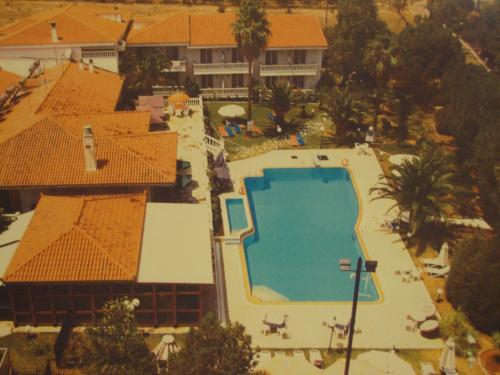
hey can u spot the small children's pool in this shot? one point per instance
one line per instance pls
(304, 221)
(236, 214)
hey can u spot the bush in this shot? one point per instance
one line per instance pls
(496, 339)
(40, 348)
(455, 325)
(192, 88)
(474, 282)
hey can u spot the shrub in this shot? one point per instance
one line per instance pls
(192, 88)
(496, 339)
(455, 325)
(39, 347)
(474, 282)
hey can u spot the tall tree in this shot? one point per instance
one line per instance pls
(357, 24)
(344, 110)
(251, 32)
(422, 186)
(379, 61)
(426, 51)
(214, 350)
(281, 98)
(4, 220)
(117, 345)
(399, 6)
(452, 13)
(144, 67)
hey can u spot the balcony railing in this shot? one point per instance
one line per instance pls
(177, 66)
(229, 92)
(220, 68)
(289, 70)
(91, 54)
(167, 90)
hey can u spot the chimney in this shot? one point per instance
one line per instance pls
(53, 32)
(89, 149)
(91, 66)
(80, 64)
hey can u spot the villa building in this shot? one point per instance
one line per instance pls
(62, 33)
(204, 49)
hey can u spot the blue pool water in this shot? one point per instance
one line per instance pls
(236, 214)
(304, 223)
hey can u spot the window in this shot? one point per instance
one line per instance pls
(207, 82)
(173, 52)
(236, 55)
(298, 82)
(206, 56)
(237, 80)
(299, 56)
(271, 57)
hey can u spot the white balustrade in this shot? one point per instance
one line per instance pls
(288, 70)
(177, 66)
(220, 68)
(225, 92)
(89, 54)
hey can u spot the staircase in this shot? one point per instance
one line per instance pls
(214, 146)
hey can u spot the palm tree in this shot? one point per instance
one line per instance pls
(144, 67)
(281, 98)
(251, 31)
(422, 186)
(344, 110)
(379, 61)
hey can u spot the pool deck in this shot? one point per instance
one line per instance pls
(383, 323)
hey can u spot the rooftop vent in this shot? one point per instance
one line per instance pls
(53, 32)
(89, 149)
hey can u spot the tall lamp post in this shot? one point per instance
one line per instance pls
(279, 130)
(370, 266)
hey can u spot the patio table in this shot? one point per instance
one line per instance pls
(275, 321)
(417, 316)
(429, 327)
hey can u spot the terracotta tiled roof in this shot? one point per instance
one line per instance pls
(212, 30)
(107, 124)
(50, 153)
(90, 238)
(74, 24)
(79, 91)
(174, 29)
(288, 31)
(7, 79)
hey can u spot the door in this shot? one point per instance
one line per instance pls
(206, 56)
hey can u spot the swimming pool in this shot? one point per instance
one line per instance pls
(236, 214)
(304, 222)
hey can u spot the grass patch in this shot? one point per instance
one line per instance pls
(29, 355)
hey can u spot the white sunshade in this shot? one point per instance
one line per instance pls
(384, 362)
(401, 158)
(285, 365)
(231, 111)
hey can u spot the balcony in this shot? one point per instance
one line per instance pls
(220, 68)
(177, 66)
(225, 92)
(289, 70)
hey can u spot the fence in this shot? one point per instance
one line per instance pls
(98, 53)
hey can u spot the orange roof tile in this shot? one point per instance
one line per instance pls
(107, 124)
(212, 30)
(50, 153)
(8, 79)
(79, 91)
(75, 25)
(288, 31)
(90, 238)
(174, 29)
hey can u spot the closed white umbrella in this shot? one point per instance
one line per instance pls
(378, 362)
(231, 110)
(165, 347)
(447, 361)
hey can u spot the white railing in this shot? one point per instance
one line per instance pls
(229, 92)
(220, 68)
(214, 146)
(177, 66)
(98, 53)
(195, 103)
(288, 70)
(166, 90)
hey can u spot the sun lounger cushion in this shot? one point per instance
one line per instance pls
(293, 140)
(229, 131)
(222, 131)
(300, 140)
(237, 127)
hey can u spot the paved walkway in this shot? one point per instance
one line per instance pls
(382, 324)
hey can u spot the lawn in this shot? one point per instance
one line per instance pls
(239, 145)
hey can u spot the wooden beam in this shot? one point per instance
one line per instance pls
(155, 307)
(92, 304)
(13, 308)
(52, 307)
(32, 307)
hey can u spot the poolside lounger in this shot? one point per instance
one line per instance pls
(438, 272)
(279, 353)
(426, 368)
(263, 355)
(300, 140)
(222, 131)
(316, 359)
(440, 261)
(293, 140)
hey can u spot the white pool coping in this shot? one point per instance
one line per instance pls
(383, 323)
